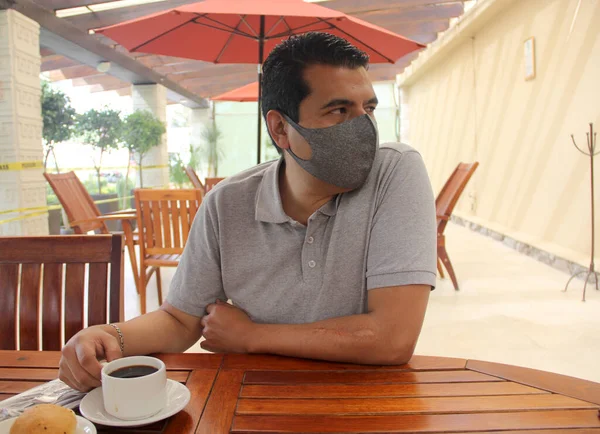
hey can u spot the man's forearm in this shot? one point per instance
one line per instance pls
(154, 332)
(352, 339)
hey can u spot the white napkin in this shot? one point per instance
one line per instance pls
(53, 392)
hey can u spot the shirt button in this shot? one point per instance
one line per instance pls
(312, 264)
(310, 240)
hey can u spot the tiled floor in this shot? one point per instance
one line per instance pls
(510, 309)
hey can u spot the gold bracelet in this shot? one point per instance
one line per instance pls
(121, 340)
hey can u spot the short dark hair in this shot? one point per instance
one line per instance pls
(283, 84)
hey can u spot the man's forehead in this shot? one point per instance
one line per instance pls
(327, 81)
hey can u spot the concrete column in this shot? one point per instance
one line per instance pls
(153, 97)
(21, 186)
(200, 118)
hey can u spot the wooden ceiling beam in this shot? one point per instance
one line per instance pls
(66, 4)
(64, 38)
(51, 63)
(72, 72)
(214, 71)
(225, 78)
(46, 52)
(360, 6)
(108, 18)
(109, 87)
(420, 13)
(216, 88)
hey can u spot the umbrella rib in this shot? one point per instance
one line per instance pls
(162, 34)
(227, 28)
(276, 24)
(292, 31)
(243, 19)
(356, 39)
(227, 43)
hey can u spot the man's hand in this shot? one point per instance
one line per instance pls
(79, 366)
(227, 329)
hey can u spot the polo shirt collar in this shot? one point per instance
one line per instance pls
(269, 208)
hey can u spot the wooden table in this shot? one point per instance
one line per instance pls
(250, 394)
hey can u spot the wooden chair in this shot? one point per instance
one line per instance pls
(194, 179)
(164, 221)
(209, 183)
(444, 205)
(84, 216)
(39, 274)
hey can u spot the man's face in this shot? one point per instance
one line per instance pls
(336, 95)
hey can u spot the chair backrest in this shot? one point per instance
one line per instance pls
(209, 183)
(450, 193)
(194, 179)
(76, 201)
(45, 282)
(164, 219)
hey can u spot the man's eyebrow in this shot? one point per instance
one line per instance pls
(373, 100)
(337, 102)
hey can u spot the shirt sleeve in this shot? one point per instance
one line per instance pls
(403, 243)
(197, 281)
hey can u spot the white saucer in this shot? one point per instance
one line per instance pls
(92, 407)
(84, 426)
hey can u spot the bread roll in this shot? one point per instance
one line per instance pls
(45, 419)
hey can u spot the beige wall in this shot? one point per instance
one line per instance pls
(474, 104)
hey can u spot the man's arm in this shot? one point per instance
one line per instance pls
(165, 330)
(386, 334)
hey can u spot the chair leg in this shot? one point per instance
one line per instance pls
(440, 269)
(443, 254)
(128, 233)
(159, 286)
(143, 282)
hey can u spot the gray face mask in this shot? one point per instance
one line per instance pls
(342, 155)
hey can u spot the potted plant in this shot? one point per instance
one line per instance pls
(142, 131)
(58, 120)
(101, 129)
(211, 135)
(177, 164)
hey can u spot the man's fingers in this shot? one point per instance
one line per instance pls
(86, 355)
(66, 376)
(111, 348)
(79, 373)
(211, 307)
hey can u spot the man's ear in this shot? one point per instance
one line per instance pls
(277, 128)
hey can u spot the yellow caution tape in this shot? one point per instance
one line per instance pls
(21, 165)
(23, 217)
(68, 169)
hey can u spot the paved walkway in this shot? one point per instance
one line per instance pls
(510, 309)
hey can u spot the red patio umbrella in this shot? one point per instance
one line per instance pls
(247, 93)
(245, 31)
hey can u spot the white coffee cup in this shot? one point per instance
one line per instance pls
(134, 398)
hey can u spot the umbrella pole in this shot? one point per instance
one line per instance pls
(261, 46)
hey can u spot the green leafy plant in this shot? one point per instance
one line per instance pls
(58, 117)
(101, 129)
(211, 136)
(142, 132)
(177, 164)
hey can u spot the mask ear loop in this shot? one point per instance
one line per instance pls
(297, 128)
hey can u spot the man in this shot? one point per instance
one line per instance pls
(328, 253)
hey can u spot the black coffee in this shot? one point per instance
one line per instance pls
(134, 371)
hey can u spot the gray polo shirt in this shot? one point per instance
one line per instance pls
(243, 246)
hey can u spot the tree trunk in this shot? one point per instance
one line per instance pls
(55, 161)
(46, 158)
(124, 192)
(98, 169)
(140, 168)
